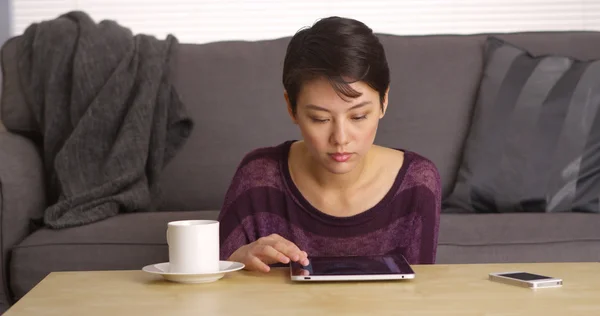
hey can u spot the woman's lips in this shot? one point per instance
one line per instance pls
(341, 157)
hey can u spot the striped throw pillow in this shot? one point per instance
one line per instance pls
(534, 142)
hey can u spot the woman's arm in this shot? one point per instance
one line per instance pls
(235, 220)
(241, 224)
(240, 244)
(429, 195)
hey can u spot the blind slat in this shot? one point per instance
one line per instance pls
(200, 21)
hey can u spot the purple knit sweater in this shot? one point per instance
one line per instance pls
(263, 200)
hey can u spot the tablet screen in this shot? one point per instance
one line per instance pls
(353, 265)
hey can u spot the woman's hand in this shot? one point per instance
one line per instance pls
(258, 255)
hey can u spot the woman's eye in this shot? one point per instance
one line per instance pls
(359, 118)
(318, 120)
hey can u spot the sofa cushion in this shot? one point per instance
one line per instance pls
(428, 102)
(234, 93)
(519, 237)
(128, 241)
(535, 135)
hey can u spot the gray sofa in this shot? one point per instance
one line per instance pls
(234, 93)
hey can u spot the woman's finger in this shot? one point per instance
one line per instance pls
(288, 248)
(258, 265)
(271, 255)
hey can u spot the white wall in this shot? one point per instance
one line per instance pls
(4, 35)
(4, 20)
(202, 21)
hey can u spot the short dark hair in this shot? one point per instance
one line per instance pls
(343, 51)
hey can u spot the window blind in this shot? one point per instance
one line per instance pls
(201, 21)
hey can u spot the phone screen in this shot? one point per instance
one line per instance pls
(524, 276)
(353, 265)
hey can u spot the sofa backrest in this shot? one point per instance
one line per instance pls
(233, 92)
(235, 95)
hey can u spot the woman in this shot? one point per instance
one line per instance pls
(334, 193)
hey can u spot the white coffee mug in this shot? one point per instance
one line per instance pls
(193, 246)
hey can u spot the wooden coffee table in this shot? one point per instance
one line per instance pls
(437, 289)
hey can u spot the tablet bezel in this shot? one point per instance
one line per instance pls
(354, 277)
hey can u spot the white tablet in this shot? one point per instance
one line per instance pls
(353, 268)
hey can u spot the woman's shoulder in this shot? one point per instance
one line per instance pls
(262, 166)
(259, 168)
(413, 168)
(264, 157)
(421, 170)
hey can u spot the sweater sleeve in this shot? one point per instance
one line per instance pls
(428, 213)
(232, 234)
(239, 219)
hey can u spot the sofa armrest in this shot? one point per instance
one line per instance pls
(22, 198)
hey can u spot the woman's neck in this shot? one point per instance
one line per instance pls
(329, 181)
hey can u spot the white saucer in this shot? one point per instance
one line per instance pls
(163, 269)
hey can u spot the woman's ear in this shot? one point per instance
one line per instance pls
(385, 102)
(289, 107)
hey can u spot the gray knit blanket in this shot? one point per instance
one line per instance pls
(108, 116)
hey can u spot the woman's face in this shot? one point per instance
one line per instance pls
(338, 133)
